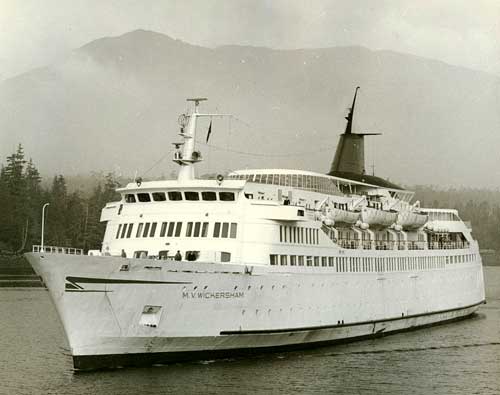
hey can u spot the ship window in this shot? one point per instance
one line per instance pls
(225, 256)
(226, 196)
(197, 226)
(163, 254)
(146, 229)
(153, 230)
(144, 197)
(129, 198)
(139, 230)
(174, 195)
(234, 227)
(330, 261)
(178, 229)
(192, 195)
(283, 260)
(293, 260)
(189, 229)
(118, 231)
(204, 230)
(211, 196)
(316, 261)
(324, 260)
(273, 259)
(309, 261)
(281, 234)
(217, 229)
(171, 226)
(129, 232)
(159, 196)
(163, 229)
(225, 229)
(124, 230)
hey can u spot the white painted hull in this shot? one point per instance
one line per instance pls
(210, 310)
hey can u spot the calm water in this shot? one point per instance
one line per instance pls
(458, 358)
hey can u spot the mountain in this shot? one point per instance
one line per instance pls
(113, 105)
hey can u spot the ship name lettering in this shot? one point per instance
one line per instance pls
(213, 295)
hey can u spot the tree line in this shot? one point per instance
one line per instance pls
(72, 218)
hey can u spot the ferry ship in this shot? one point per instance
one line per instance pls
(259, 260)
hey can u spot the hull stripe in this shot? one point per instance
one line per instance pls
(313, 328)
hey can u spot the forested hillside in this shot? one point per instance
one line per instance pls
(72, 217)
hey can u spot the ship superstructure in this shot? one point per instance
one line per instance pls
(259, 260)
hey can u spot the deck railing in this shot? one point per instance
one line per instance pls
(400, 245)
(58, 250)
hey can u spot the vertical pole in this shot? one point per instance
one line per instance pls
(43, 226)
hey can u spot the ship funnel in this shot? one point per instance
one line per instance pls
(350, 153)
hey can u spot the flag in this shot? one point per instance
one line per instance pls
(209, 131)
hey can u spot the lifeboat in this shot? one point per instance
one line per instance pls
(411, 220)
(343, 216)
(378, 218)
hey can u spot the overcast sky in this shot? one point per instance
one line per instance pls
(462, 32)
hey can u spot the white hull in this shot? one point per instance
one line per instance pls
(209, 310)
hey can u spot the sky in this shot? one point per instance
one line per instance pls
(34, 33)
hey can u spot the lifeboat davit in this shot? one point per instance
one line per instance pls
(410, 220)
(376, 218)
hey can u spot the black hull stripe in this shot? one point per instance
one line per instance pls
(313, 328)
(114, 361)
(90, 280)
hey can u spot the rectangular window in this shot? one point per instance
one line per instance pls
(283, 260)
(309, 261)
(273, 259)
(163, 229)
(159, 196)
(293, 260)
(129, 198)
(330, 261)
(316, 261)
(290, 234)
(189, 229)
(178, 228)
(324, 261)
(210, 196)
(232, 233)
(146, 229)
(124, 230)
(225, 256)
(129, 232)
(139, 230)
(225, 229)
(118, 231)
(191, 195)
(301, 235)
(285, 233)
(204, 229)
(300, 260)
(307, 235)
(281, 234)
(197, 227)
(153, 230)
(171, 226)
(226, 196)
(144, 197)
(174, 195)
(217, 229)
